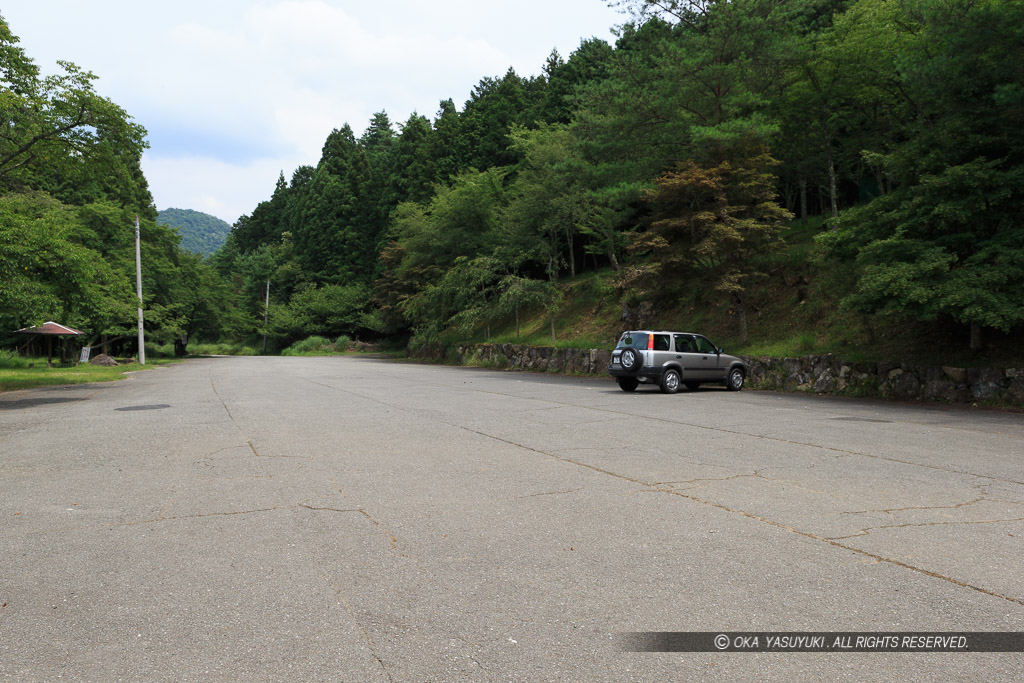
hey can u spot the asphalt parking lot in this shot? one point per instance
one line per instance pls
(357, 519)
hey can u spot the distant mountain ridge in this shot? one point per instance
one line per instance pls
(201, 233)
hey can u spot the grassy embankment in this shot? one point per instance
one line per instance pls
(792, 311)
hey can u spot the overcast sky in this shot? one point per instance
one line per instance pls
(232, 92)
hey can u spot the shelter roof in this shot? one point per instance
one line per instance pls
(49, 327)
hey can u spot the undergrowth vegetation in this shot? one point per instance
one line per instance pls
(793, 311)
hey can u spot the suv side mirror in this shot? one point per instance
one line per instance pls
(720, 350)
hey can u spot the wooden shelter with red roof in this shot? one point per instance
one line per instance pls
(50, 330)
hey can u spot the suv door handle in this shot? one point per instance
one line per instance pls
(678, 356)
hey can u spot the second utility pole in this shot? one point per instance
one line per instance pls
(138, 286)
(266, 317)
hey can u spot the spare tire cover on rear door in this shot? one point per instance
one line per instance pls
(630, 358)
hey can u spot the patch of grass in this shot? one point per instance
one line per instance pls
(806, 343)
(540, 338)
(481, 363)
(14, 379)
(802, 344)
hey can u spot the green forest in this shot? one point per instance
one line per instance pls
(848, 174)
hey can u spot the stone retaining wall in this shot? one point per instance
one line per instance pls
(815, 374)
(519, 357)
(903, 381)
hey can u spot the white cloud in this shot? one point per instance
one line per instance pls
(234, 91)
(286, 74)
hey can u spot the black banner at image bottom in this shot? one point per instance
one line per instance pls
(794, 641)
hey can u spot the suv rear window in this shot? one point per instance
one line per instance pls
(638, 340)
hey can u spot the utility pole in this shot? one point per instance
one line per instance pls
(266, 317)
(138, 287)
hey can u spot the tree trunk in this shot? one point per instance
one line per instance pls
(572, 256)
(517, 321)
(975, 337)
(880, 179)
(790, 197)
(552, 326)
(803, 200)
(611, 256)
(833, 189)
(741, 312)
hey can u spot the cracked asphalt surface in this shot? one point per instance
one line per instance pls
(356, 519)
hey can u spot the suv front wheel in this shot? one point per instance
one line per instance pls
(735, 380)
(670, 381)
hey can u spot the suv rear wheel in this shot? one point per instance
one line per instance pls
(628, 383)
(670, 381)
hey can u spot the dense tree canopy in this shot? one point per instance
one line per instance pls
(678, 151)
(948, 239)
(58, 135)
(671, 157)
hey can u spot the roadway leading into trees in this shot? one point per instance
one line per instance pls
(357, 519)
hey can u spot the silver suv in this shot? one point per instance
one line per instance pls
(671, 359)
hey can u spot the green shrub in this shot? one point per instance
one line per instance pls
(10, 360)
(309, 346)
(342, 342)
(221, 349)
(160, 350)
